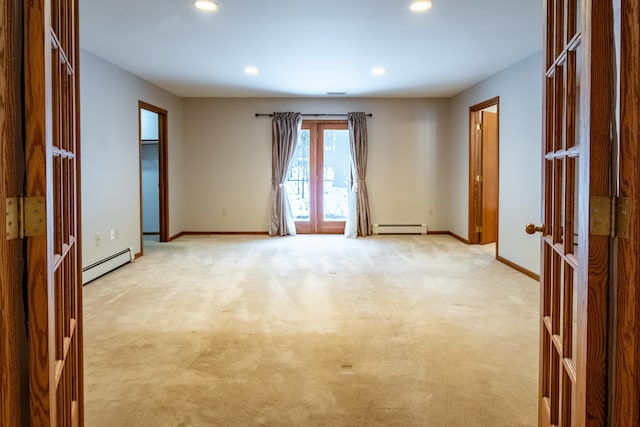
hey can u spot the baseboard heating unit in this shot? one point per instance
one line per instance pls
(104, 266)
(399, 228)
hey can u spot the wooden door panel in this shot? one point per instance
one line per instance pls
(475, 174)
(489, 232)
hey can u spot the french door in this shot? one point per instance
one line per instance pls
(577, 170)
(319, 178)
(54, 289)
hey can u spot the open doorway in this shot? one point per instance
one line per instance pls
(153, 174)
(484, 174)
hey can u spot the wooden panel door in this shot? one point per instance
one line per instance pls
(489, 233)
(53, 259)
(575, 253)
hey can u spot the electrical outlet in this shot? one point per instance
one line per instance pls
(430, 212)
(112, 234)
(117, 232)
(98, 240)
(224, 212)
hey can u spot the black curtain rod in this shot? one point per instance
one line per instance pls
(312, 115)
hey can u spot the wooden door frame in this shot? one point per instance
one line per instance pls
(625, 384)
(14, 355)
(163, 162)
(475, 168)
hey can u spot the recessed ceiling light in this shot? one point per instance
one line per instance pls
(421, 5)
(206, 5)
(251, 71)
(378, 71)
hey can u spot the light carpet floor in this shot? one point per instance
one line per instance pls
(311, 331)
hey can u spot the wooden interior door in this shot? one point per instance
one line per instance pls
(577, 185)
(54, 291)
(489, 184)
(475, 175)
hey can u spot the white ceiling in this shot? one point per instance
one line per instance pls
(311, 47)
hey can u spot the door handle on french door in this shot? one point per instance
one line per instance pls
(531, 228)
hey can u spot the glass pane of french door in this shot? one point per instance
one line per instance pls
(298, 182)
(336, 172)
(319, 178)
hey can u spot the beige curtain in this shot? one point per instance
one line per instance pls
(358, 218)
(286, 127)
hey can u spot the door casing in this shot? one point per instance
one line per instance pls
(163, 162)
(625, 375)
(14, 355)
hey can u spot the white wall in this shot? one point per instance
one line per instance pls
(227, 159)
(110, 155)
(520, 90)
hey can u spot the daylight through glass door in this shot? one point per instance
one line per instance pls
(319, 177)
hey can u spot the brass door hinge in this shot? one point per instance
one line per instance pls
(25, 217)
(478, 178)
(478, 229)
(478, 126)
(623, 217)
(610, 216)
